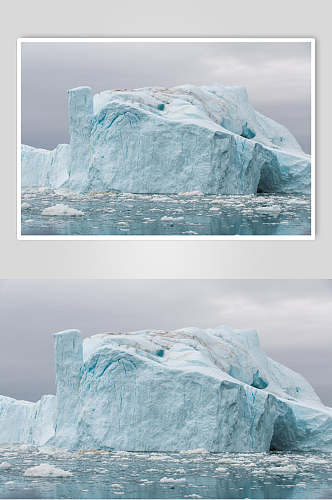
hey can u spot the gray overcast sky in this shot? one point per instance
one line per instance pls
(277, 77)
(293, 319)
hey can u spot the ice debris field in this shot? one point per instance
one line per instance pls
(47, 211)
(47, 472)
(156, 148)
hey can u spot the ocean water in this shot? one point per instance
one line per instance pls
(166, 475)
(187, 214)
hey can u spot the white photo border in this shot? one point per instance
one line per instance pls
(310, 40)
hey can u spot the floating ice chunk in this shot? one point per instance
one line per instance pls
(284, 469)
(259, 472)
(5, 465)
(191, 193)
(221, 469)
(272, 210)
(166, 218)
(172, 480)
(300, 202)
(46, 470)
(25, 205)
(27, 448)
(195, 451)
(159, 457)
(227, 460)
(274, 458)
(315, 460)
(54, 452)
(60, 210)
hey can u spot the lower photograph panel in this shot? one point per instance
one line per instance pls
(165, 389)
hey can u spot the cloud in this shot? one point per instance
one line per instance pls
(277, 76)
(292, 317)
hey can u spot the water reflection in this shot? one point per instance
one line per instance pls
(128, 214)
(167, 475)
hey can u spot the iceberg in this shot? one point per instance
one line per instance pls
(31, 423)
(46, 470)
(181, 390)
(60, 210)
(5, 465)
(206, 139)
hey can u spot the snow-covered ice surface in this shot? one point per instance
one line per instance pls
(170, 140)
(183, 214)
(109, 474)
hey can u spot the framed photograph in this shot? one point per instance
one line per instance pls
(165, 396)
(166, 138)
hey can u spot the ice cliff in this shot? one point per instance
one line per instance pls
(170, 391)
(170, 140)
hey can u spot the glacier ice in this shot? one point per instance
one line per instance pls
(173, 480)
(5, 465)
(60, 210)
(25, 422)
(46, 470)
(154, 390)
(206, 139)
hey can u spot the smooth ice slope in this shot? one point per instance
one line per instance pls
(170, 391)
(170, 140)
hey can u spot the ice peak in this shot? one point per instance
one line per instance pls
(80, 90)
